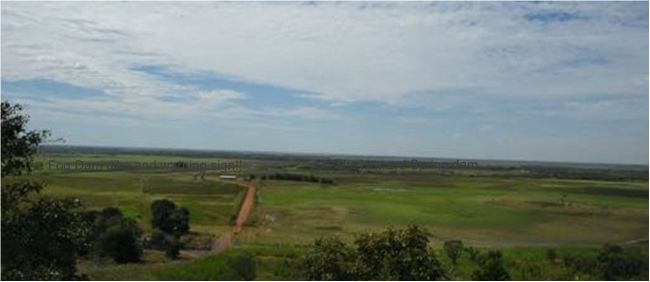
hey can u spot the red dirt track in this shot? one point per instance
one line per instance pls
(225, 240)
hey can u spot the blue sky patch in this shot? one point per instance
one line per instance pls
(259, 94)
(45, 88)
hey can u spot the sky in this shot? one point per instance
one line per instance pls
(562, 81)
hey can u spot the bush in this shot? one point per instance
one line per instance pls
(169, 219)
(617, 263)
(453, 249)
(112, 235)
(473, 254)
(230, 265)
(329, 259)
(551, 254)
(491, 267)
(158, 240)
(172, 248)
(392, 255)
(121, 242)
(243, 263)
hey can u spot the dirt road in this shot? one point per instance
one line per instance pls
(226, 239)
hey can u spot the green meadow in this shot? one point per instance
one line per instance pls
(487, 209)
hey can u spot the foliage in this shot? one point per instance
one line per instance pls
(158, 240)
(121, 242)
(474, 254)
(400, 254)
(230, 265)
(18, 145)
(329, 259)
(454, 249)
(168, 218)
(116, 236)
(491, 267)
(618, 263)
(173, 247)
(551, 254)
(41, 237)
(43, 241)
(243, 263)
(297, 177)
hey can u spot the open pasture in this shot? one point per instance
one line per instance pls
(522, 215)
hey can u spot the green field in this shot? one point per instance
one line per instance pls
(521, 215)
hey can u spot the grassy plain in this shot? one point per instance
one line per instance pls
(521, 215)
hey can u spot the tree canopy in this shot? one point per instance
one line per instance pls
(41, 237)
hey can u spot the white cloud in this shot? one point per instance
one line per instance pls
(460, 59)
(342, 52)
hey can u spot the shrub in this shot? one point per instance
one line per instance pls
(400, 254)
(551, 254)
(243, 263)
(453, 249)
(121, 242)
(169, 219)
(617, 263)
(329, 259)
(158, 240)
(491, 267)
(172, 248)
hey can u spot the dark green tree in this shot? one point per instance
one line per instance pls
(454, 249)
(395, 254)
(18, 145)
(115, 236)
(161, 213)
(168, 218)
(400, 254)
(618, 263)
(329, 259)
(173, 247)
(121, 241)
(41, 237)
(491, 267)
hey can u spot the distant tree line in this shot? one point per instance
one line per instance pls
(389, 164)
(297, 177)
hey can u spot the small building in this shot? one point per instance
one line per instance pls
(227, 177)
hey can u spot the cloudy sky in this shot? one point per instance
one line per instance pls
(524, 81)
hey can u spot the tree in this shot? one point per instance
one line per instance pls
(617, 263)
(121, 241)
(400, 254)
(41, 237)
(161, 212)
(115, 236)
(395, 254)
(491, 267)
(173, 247)
(18, 145)
(329, 259)
(181, 219)
(168, 218)
(453, 248)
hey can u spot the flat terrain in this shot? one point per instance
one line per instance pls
(484, 208)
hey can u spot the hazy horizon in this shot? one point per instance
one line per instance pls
(559, 82)
(353, 155)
